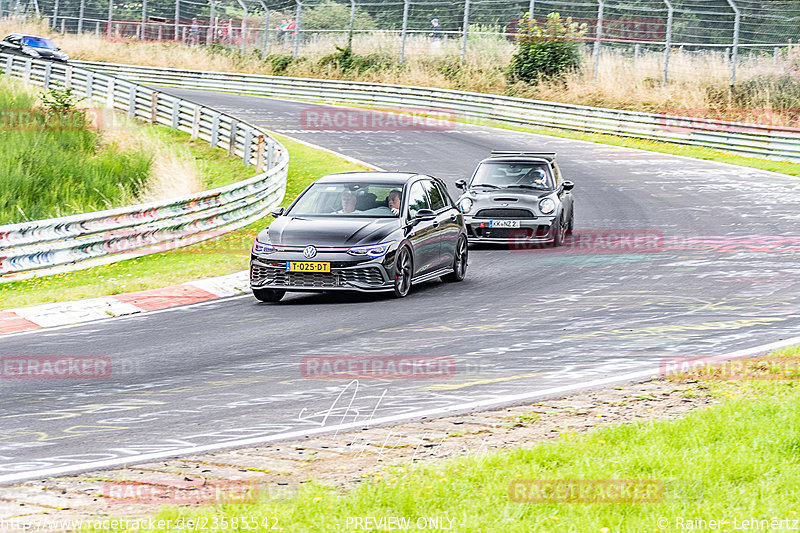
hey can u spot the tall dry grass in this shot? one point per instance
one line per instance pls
(698, 82)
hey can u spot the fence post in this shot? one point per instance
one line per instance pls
(63, 26)
(775, 54)
(297, 28)
(599, 35)
(54, 22)
(736, 26)
(405, 31)
(466, 26)
(265, 42)
(110, 18)
(352, 24)
(244, 24)
(80, 16)
(668, 41)
(177, 19)
(637, 50)
(144, 18)
(530, 9)
(97, 28)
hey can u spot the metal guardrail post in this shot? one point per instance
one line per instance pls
(214, 131)
(271, 155)
(68, 77)
(176, 111)
(297, 15)
(132, 101)
(260, 154)
(196, 122)
(247, 148)
(47, 72)
(111, 93)
(28, 65)
(232, 143)
(465, 31)
(736, 27)
(404, 31)
(9, 65)
(89, 85)
(153, 107)
(668, 41)
(599, 35)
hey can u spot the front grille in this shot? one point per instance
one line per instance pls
(260, 275)
(364, 276)
(504, 213)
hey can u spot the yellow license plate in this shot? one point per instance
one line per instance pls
(308, 266)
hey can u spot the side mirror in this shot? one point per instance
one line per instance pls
(461, 184)
(278, 212)
(568, 185)
(57, 48)
(425, 214)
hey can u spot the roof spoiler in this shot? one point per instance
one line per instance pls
(550, 156)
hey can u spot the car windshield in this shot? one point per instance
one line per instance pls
(500, 175)
(38, 42)
(348, 199)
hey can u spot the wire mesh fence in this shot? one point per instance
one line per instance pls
(731, 29)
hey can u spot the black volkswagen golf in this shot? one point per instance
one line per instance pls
(361, 231)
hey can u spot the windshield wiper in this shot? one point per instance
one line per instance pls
(486, 185)
(526, 186)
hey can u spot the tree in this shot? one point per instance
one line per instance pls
(545, 52)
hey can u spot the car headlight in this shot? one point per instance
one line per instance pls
(465, 204)
(547, 206)
(32, 53)
(262, 248)
(371, 250)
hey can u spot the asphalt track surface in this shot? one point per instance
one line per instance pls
(724, 278)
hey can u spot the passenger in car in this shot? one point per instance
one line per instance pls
(394, 201)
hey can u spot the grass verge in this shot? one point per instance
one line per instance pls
(218, 257)
(736, 461)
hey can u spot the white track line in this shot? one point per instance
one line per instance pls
(644, 375)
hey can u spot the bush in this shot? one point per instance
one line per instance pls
(545, 53)
(345, 60)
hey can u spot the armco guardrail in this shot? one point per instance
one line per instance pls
(752, 140)
(68, 243)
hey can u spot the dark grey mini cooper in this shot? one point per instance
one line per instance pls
(362, 231)
(518, 197)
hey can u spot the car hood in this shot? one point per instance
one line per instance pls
(328, 231)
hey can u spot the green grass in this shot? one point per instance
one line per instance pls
(56, 170)
(225, 255)
(738, 459)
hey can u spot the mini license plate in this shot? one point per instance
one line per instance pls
(504, 223)
(307, 266)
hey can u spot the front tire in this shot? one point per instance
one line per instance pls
(268, 295)
(559, 233)
(459, 263)
(571, 224)
(403, 271)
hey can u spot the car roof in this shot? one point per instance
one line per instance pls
(513, 156)
(370, 177)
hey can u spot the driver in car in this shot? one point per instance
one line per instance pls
(348, 202)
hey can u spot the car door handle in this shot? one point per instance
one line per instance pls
(435, 223)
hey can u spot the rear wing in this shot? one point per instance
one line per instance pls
(549, 156)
